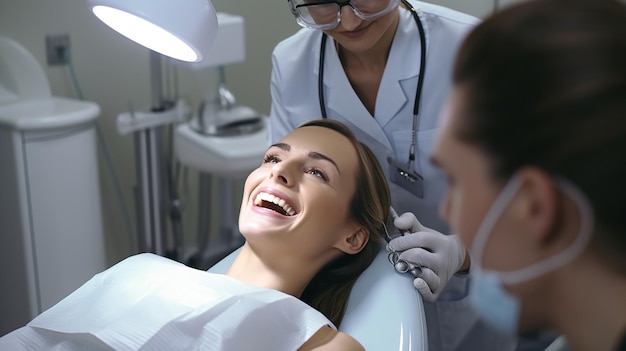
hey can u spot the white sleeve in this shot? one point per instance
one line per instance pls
(279, 122)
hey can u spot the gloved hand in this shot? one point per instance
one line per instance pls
(439, 255)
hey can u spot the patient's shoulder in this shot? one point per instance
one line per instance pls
(328, 339)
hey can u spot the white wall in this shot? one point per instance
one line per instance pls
(113, 72)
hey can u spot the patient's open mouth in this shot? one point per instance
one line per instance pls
(274, 203)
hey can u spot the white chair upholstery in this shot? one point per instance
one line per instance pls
(384, 312)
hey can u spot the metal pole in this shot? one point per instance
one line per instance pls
(149, 162)
(142, 193)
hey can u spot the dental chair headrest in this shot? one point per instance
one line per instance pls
(384, 312)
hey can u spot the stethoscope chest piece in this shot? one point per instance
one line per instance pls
(401, 174)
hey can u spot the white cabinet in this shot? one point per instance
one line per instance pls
(51, 233)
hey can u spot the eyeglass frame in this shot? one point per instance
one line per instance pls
(294, 10)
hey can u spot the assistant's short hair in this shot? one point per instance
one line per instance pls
(545, 85)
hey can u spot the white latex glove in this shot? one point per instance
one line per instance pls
(440, 256)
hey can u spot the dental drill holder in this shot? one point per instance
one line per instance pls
(238, 120)
(222, 116)
(224, 138)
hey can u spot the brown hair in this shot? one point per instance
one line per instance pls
(329, 290)
(546, 86)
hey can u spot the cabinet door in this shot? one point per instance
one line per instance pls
(18, 285)
(64, 191)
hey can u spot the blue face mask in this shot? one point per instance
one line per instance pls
(497, 306)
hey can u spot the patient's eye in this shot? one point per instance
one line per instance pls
(318, 173)
(271, 158)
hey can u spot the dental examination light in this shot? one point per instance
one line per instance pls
(183, 30)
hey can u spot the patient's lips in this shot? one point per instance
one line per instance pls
(273, 202)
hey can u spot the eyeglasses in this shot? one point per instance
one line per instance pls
(326, 14)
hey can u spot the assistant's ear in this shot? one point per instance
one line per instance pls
(355, 241)
(539, 204)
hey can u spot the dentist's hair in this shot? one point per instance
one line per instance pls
(329, 290)
(545, 85)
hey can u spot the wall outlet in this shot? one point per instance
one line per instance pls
(57, 49)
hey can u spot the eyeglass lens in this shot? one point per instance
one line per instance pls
(327, 14)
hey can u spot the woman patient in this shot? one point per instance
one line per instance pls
(312, 215)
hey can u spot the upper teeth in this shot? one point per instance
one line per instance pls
(275, 200)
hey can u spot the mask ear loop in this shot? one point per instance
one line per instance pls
(547, 265)
(576, 248)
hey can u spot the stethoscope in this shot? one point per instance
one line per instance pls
(420, 79)
(401, 266)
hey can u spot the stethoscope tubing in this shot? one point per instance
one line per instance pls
(420, 79)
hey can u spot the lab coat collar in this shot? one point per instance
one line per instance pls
(347, 105)
(406, 46)
(391, 97)
(403, 64)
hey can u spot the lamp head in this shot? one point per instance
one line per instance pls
(182, 29)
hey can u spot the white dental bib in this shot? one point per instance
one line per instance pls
(149, 302)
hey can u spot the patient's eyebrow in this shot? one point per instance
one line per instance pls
(318, 156)
(282, 146)
(314, 155)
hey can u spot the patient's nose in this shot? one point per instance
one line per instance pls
(282, 173)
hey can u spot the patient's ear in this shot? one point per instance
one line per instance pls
(355, 241)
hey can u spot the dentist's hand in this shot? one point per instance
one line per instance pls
(440, 256)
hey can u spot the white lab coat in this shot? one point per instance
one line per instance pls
(452, 324)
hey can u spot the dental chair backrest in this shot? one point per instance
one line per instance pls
(384, 310)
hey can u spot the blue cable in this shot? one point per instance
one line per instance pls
(107, 156)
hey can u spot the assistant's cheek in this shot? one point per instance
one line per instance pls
(459, 216)
(444, 207)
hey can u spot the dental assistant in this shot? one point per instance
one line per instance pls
(383, 68)
(533, 145)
